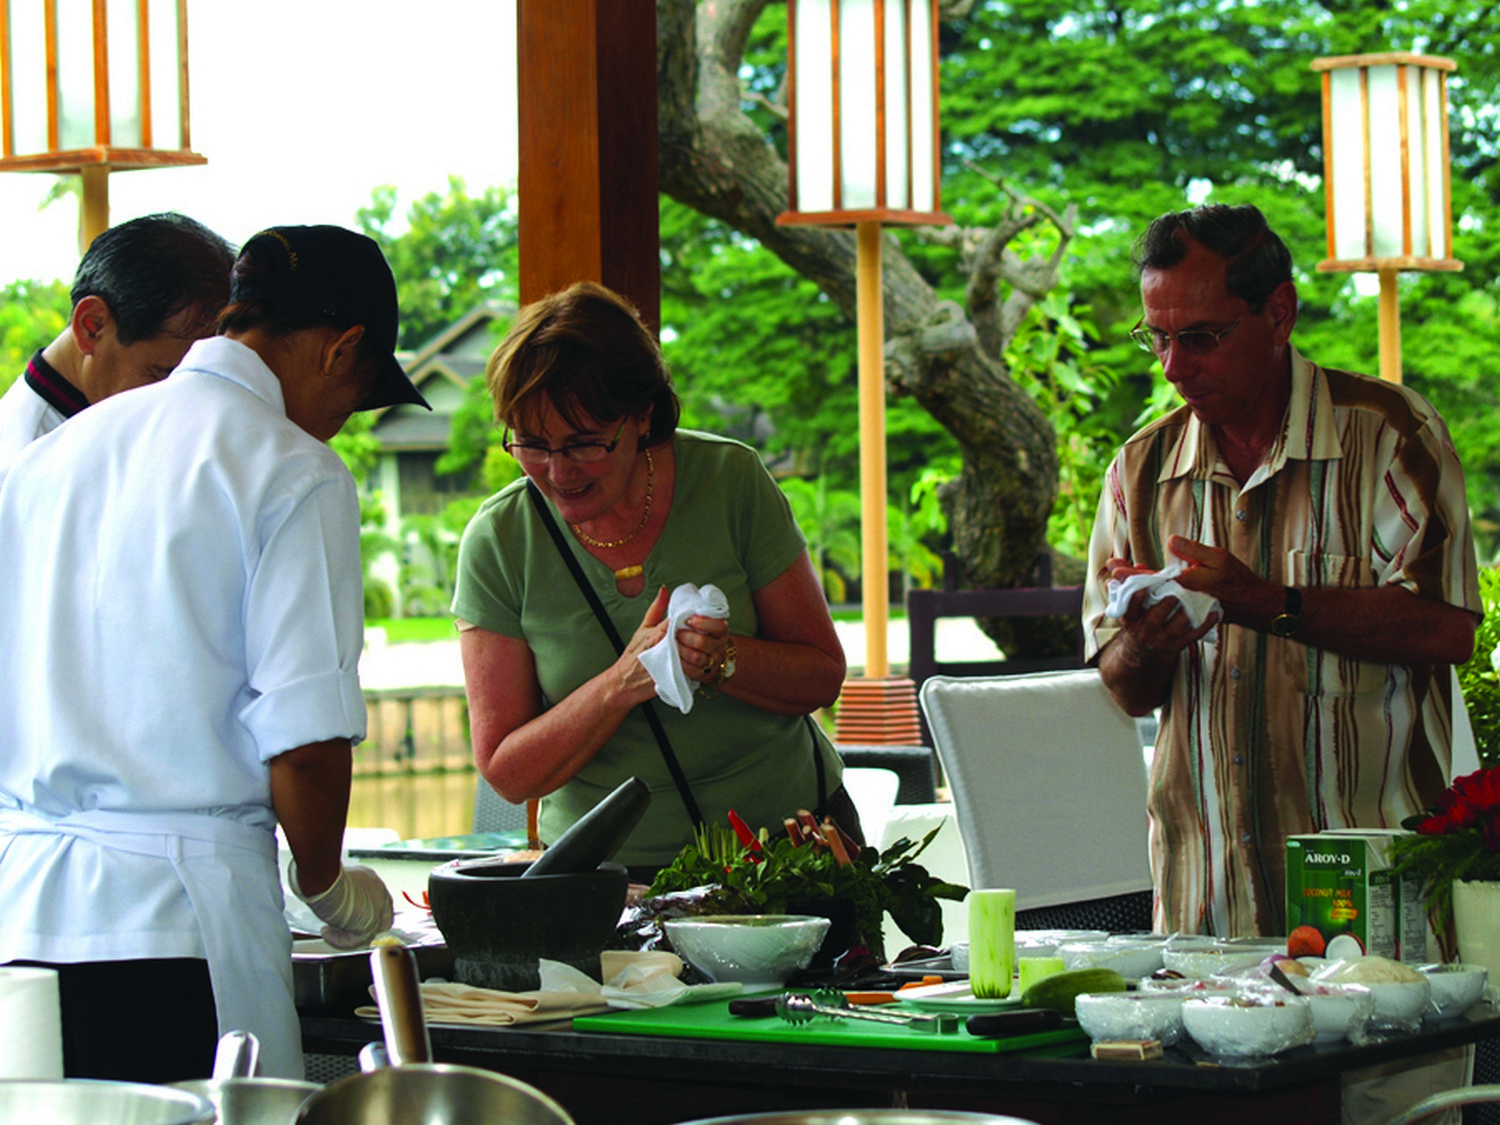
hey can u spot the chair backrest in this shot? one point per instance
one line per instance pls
(1048, 782)
(493, 813)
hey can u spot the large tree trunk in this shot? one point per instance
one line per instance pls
(715, 159)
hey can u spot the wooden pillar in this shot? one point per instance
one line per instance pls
(588, 155)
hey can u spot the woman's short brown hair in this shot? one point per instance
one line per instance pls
(588, 351)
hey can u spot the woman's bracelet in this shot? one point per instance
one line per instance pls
(708, 689)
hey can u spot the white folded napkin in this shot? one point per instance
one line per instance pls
(662, 659)
(645, 979)
(1159, 586)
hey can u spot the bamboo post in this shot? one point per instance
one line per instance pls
(1390, 328)
(93, 208)
(871, 329)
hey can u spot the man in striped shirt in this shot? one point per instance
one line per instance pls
(1326, 513)
(144, 291)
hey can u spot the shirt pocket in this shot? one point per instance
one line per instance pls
(1316, 671)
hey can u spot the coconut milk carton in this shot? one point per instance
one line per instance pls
(1340, 882)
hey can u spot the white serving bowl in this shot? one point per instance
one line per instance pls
(1131, 1015)
(1131, 959)
(1455, 988)
(1401, 1003)
(958, 956)
(1044, 943)
(1239, 1025)
(1216, 960)
(755, 949)
(1340, 1011)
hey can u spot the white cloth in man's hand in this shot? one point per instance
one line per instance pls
(356, 908)
(1160, 586)
(663, 660)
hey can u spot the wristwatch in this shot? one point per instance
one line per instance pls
(1285, 623)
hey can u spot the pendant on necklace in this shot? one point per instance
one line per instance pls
(627, 572)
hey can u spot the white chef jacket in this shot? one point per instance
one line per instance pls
(182, 602)
(24, 417)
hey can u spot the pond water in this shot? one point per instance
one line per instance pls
(416, 805)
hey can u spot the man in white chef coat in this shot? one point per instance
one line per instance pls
(144, 291)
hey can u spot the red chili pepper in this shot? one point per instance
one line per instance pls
(742, 830)
(423, 905)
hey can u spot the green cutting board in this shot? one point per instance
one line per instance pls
(711, 1020)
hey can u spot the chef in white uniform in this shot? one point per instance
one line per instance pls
(182, 613)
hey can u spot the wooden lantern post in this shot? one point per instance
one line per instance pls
(863, 153)
(1386, 175)
(93, 86)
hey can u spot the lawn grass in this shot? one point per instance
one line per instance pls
(405, 630)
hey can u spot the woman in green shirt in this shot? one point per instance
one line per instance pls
(556, 712)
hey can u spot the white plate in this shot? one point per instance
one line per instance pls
(953, 996)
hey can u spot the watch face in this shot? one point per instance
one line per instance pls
(1284, 625)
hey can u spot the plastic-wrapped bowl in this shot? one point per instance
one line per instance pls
(1340, 1011)
(1221, 958)
(1131, 1015)
(1455, 988)
(1401, 1004)
(1241, 1025)
(755, 949)
(1131, 959)
(1044, 943)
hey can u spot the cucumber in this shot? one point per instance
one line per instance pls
(1061, 990)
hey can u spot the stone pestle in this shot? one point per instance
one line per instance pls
(597, 835)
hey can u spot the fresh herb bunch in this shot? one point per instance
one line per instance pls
(1457, 839)
(770, 875)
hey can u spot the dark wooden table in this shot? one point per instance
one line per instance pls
(638, 1080)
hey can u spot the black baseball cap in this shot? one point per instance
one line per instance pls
(342, 276)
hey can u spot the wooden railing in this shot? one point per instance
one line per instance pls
(415, 730)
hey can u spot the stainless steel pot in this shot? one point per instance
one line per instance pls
(416, 1089)
(866, 1117)
(84, 1101)
(251, 1101)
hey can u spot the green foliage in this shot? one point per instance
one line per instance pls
(455, 252)
(430, 566)
(1050, 356)
(829, 517)
(768, 877)
(32, 313)
(1478, 678)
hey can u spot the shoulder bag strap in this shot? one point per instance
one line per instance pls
(673, 766)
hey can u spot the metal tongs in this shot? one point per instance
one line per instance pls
(796, 1007)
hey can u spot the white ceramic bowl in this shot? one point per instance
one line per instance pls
(754, 949)
(1455, 988)
(1131, 959)
(958, 956)
(1241, 1025)
(1340, 1011)
(1401, 1003)
(1131, 1015)
(1216, 960)
(1044, 943)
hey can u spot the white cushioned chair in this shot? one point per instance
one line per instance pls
(1049, 785)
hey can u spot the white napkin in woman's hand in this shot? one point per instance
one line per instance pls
(662, 659)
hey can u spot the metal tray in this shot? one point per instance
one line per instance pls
(334, 983)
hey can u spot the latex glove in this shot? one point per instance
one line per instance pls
(355, 908)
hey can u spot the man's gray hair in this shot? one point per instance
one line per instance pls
(1258, 261)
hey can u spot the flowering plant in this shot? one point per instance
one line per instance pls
(1457, 839)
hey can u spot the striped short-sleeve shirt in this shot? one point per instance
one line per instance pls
(1264, 737)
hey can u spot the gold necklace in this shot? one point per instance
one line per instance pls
(611, 544)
